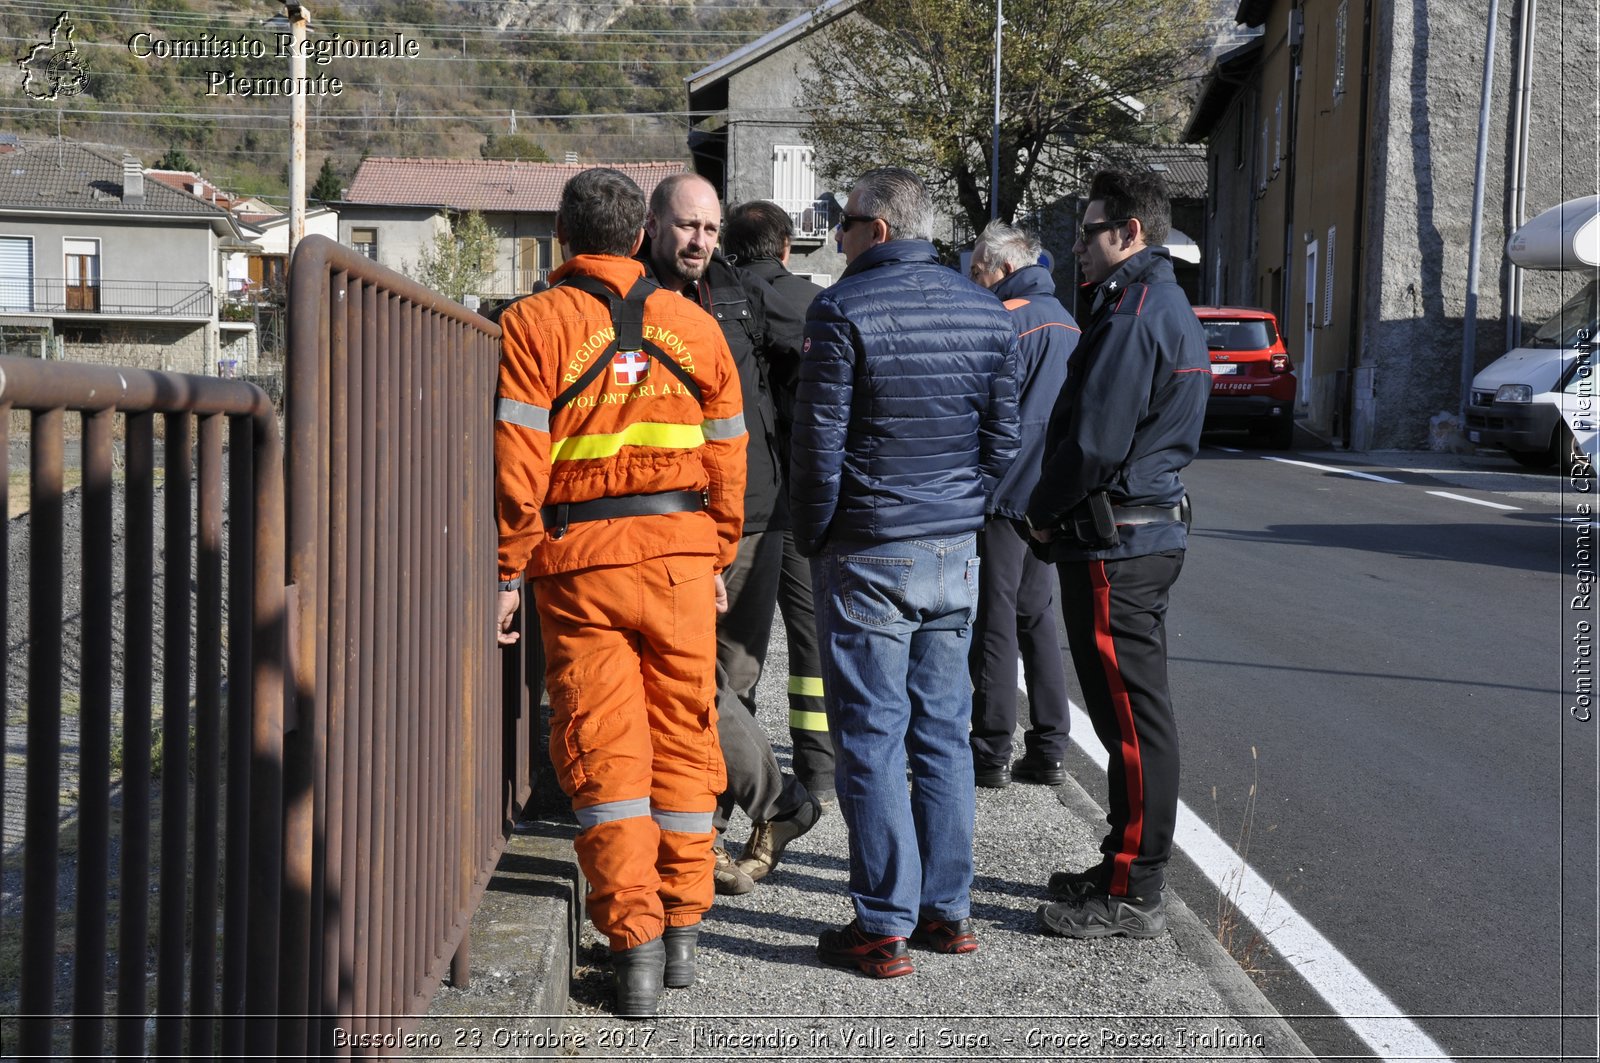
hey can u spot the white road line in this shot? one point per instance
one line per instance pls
(1227, 450)
(1333, 468)
(1368, 1011)
(1474, 501)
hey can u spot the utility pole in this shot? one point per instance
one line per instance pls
(299, 22)
(1469, 330)
(994, 144)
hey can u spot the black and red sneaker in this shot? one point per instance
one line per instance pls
(946, 935)
(877, 957)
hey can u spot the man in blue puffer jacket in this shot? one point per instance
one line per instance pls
(1016, 611)
(905, 420)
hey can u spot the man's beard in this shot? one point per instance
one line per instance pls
(688, 269)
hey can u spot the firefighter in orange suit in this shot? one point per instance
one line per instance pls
(619, 451)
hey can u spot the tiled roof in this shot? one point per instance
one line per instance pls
(61, 175)
(1183, 166)
(482, 184)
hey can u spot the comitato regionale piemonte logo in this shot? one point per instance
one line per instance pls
(52, 69)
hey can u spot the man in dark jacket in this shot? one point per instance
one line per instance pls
(905, 419)
(1109, 509)
(1016, 610)
(758, 236)
(682, 227)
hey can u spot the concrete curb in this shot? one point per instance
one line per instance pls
(524, 940)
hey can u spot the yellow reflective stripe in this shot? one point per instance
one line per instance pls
(808, 721)
(724, 427)
(642, 434)
(807, 686)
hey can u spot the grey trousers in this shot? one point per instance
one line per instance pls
(755, 782)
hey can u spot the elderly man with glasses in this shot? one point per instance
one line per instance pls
(1109, 510)
(1016, 612)
(905, 420)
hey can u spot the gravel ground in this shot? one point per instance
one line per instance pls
(761, 992)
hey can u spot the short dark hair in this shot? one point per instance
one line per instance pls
(601, 212)
(756, 230)
(1136, 195)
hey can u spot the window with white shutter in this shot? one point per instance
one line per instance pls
(794, 188)
(16, 274)
(1327, 282)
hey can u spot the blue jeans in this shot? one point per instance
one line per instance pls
(894, 621)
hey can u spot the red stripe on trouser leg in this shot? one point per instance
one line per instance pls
(1133, 769)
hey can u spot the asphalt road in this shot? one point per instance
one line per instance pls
(1392, 670)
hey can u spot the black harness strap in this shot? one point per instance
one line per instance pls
(627, 323)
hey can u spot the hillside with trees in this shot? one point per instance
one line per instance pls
(518, 79)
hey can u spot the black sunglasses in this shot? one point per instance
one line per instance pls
(847, 220)
(1095, 228)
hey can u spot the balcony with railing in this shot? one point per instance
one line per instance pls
(107, 298)
(812, 218)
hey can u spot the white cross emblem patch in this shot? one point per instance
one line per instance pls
(629, 368)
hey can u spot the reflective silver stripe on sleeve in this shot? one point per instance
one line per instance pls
(724, 427)
(682, 822)
(610, 811)
(524, 413)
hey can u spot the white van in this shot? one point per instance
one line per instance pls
(1515, 403)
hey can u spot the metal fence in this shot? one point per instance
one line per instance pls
(241, 726)
(403, 769)
(363, 779)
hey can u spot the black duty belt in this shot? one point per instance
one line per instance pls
(557, 517)
(1146, 514)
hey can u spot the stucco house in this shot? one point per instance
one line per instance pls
(394, 208)
(1341, 147)
(99, 264)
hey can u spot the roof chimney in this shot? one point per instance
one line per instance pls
(132, 181)
(572, 157)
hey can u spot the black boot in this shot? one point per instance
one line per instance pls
(680, 955)
(638, 974)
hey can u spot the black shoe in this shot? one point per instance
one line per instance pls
(1098, 915)
(995, 777)
(945, 935)
(680, 941)
(1065, 885)
(878, 957)
(638, 972)
(1037, 769)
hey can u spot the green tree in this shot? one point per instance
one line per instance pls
(175, 159)
(329, 185)
(460, 260)
(513, 146)
(913, 82)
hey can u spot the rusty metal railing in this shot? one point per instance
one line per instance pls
(240, 724)
(402, 768)
(341, 752)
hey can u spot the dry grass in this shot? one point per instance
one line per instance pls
(1237, 936)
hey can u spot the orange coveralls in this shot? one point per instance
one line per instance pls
(626, 606)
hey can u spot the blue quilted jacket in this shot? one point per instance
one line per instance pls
(905, 412)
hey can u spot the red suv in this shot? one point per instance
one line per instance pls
(1252, 382)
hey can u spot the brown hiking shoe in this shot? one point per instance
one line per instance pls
(768, 840)
(730, 880)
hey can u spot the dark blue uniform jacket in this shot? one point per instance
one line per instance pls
(905, 412)
(1129, 418)
(1047, 336)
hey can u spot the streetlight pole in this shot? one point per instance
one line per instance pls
(994, 144)
(299, 21)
